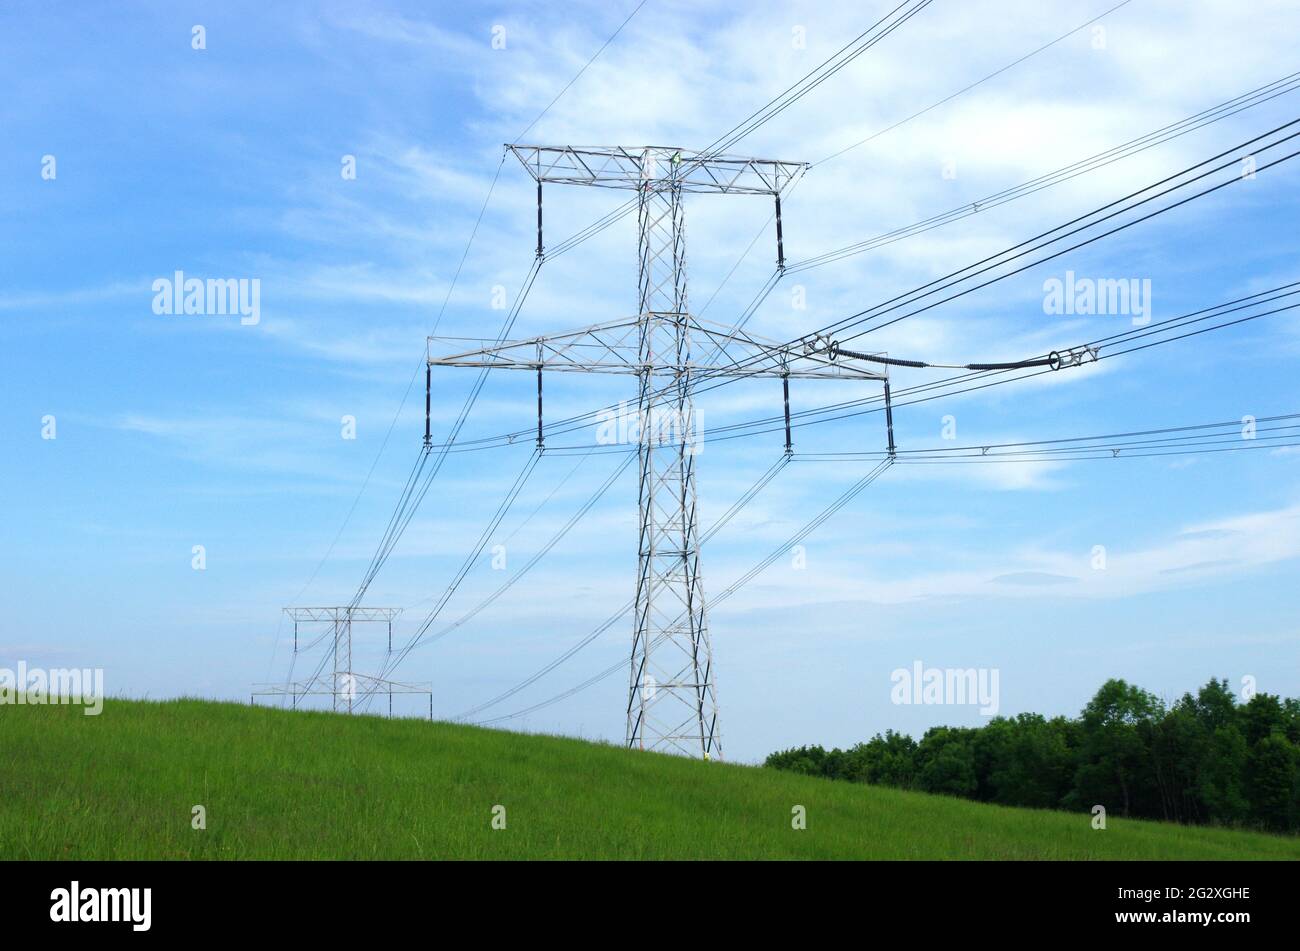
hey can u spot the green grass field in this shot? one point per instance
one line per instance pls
(278, 785)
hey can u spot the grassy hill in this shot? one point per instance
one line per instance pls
(278, 784)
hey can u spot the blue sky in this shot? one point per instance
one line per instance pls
(176, 431)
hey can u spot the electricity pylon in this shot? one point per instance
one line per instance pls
(672, 701)
(345, 682)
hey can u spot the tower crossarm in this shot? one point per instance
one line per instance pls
(309, 614)
(656, 166)
(614, 347)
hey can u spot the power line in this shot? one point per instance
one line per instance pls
(1168, 133)
(407, 392)
(1022, 249)
(746, 497)
(774, 107)
(455, 278)
(1122, 453)
(411, 502)
(402, 515)
(973, 207)
(660, 241)
(1027, 247)
(1235, 161)
(848, 495)
(975, 385)
(502, 509)
(546, 501)
(1198, 434)
(1160, 327)
(956, 385)
(578, 74)
(824, 71)
(538, 555)
(1289, 437)
(956, 277)
(978, 82)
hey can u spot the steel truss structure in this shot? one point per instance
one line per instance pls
(345, 683)
(655, 168)
(672, 701)
(615, 347)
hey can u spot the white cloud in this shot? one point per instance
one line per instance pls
(1200, 553)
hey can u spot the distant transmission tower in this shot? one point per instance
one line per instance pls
(345, 683)
(672, 700)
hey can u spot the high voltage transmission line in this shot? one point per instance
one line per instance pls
(660, 211)
(834, 63)
(804, 531)
(1169, 330)
(1286, 289)
(451, 287)
(1226, 109)
(1198, 439)
(1005, 258)
(1098, 349)
(978, 82)
(606, 348)
(672, 703)
(677, 709)
(1175, 445)
(748, 496)
(1203, 438)
(792, 94)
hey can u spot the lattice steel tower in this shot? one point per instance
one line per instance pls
(672, 698)
(345, 685)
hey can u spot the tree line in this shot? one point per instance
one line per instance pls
(1204, 759)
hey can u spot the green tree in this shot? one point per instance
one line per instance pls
(1272, 782)
(808, 760)
(888, 760)
(946, 762)
(1216, 705)
(1115, 766)
(1262, 716)
(1179, 745)
(1206, 758)
(1220, 777)
(1028, 759)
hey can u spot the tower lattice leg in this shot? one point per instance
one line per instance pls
(672, 702)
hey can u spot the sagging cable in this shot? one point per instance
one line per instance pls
(1055, 360)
